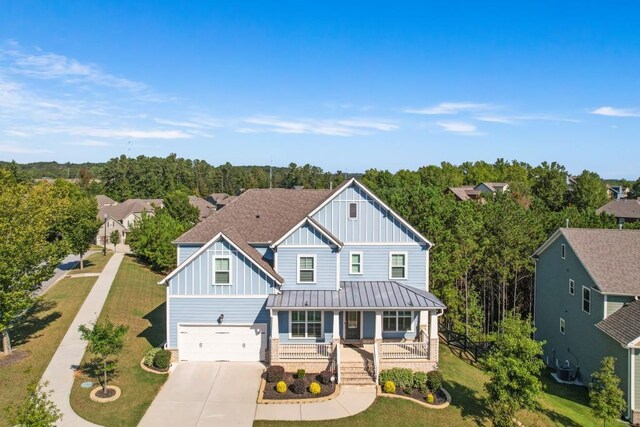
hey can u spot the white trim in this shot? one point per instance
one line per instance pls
(351, 272)
(306, 322)
(204, 248)
(634, 343)
(305, 220)
(582, 300)
(374, 197)
(604, 307)
(411, 328)
(354, 203)
(572, 289)
(381, 244)
(338, 256)
(563, 251)
(230, 296)
(563, 326)
(304, 246)
(344, 325)
(427, 272)
(315, 269)
(168, 325)
(406, 265)
(213, 268)
(632, 379)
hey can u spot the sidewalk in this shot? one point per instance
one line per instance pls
(69, 354)
(351, 400)
(65, 266)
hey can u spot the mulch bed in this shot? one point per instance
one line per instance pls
(416, 394)
(15, 357)
(105, 395)
(271, 393)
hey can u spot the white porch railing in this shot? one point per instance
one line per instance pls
(404, 350)
(304, 351)
(376, 363)
(338, 364)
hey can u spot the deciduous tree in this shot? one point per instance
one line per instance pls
(606, 399)
(37, 410)
(105, 340)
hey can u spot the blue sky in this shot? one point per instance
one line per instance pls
(342, 85)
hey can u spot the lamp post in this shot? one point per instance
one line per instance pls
(104, 247)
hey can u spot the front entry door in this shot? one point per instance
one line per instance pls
(352, 325)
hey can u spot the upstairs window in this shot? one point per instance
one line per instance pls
(306, 324)
(563, 251)
(572, 287)
(306, 268)
(355, 266)
(353, 210)
(396, 321)
(586, 300)
(398, 265)
(562, 326)
(222, 271)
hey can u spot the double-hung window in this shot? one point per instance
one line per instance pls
(221, 271)
(355, 263)
(586, 300)
(562, 326)
(398, 265)
(306, 324)
(396, 321)
(306, 269)
(353, 210)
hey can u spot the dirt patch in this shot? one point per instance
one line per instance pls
(271, 393)
(15, 357)
(106, 394)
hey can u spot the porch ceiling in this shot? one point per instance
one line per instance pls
(358, 295)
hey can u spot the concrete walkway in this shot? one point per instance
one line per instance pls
(59, 373)
(65, 266)
(351, 400)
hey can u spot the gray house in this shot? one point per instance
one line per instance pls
(587, 287)
(625, 210)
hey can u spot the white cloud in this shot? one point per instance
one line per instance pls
(461, 128)
(90, 143)
(616, 112)
(20, 149)
(346, 127)
(512, 120)
(449, 108)
(129, 133)
(199, 122)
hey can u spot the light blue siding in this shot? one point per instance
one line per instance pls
(283, 325)
(375, 263)
(185, 251)
(208, 310)
(265, 251)
(306, 235)
(369, 326)
(375, 223)
(197, 277)
(325, 267)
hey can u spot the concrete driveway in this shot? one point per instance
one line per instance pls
(207, 394)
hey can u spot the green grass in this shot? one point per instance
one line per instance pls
(94, 263)
(561, 405)
(135, 300)
(39, 334)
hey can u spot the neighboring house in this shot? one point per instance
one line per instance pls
(617, 192)
(625, 210)
(492, 187)
(204, 207)
(105, 201)
(587, 287)
(291, 276)
(122, 216)
(216, 199)
(469, 192)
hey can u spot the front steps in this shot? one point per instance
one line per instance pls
(356, 373)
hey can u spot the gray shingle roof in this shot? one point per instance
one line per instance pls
(624, 208)
(121, 210)
(206, 208)
(104, 200)
(354, 295)
(611, 256)
(624, 324)
(465, 192)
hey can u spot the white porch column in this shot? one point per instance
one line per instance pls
(336, 325)
(433, 336)
(275, 338)
(423, 326)
(378, 335)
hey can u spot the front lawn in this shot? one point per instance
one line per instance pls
(39, 334)
(561, 405)
(135, 300)
(94, 263)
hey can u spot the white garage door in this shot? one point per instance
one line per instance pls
(232, 343)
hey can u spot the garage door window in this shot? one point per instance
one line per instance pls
(221, 271)
(306, 324)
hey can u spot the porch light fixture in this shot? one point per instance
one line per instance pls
(333, 379)
(221, 318)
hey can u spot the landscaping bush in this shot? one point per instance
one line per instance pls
(420, 381)
(149, 356)
(281, 387)
(434, 380)
(430, 398)
(314, 388)
(401, 377)
(300, 374)
(274, 374)
(325, 377)
(298, 386)
(162, 359)
(389, 387)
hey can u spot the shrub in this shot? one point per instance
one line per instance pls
(162, 359)
(420, 381)
(401, 377)
(149, 356)
(300, 374)
(434, 380)
(430, 398)
(314, 388)
(281, 387)
(274, 374)
(325, 377)
(298, 386)
(389, 387)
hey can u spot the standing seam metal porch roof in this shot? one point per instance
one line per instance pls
(366, 294)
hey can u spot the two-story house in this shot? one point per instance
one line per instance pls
(305, 279)
(587, 287)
